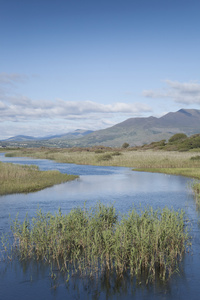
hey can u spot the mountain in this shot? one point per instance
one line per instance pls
(20, 138)
(139, 131)
(78, 133)
(134, 131)
(70, 135)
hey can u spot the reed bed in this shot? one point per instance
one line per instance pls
(23, 179)
(115, 157)
(98, 240)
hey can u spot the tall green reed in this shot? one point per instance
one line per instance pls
(96, 240)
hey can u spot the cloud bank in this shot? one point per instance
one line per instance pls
(184, 93)
(20, 108)
(85, 114)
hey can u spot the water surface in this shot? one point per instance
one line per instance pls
(121, 187)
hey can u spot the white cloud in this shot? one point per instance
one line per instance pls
(185, 93)
(23, 108)
(65, 115)
(19, 107)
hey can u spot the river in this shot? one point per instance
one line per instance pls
(121, 187)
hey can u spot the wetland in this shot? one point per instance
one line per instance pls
(119, 188)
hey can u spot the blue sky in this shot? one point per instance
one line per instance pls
(70, 64)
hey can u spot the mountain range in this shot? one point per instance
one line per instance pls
(139, 131)
(134, 131)
(70, 135)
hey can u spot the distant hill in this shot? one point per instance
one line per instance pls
(134, 131)
(20, 138)
(78, 133)
(70, 135)
(139, 131)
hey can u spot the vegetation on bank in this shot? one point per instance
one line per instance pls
(178, 142)
(98, 240)
(114, 157)
(24, 179)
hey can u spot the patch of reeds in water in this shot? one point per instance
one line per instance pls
(95, 241)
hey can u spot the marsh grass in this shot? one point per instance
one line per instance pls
(130, 158)
(93, 241)
(23, 179)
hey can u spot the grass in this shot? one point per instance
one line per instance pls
(24, 179)
(173, 162)
(98, 240)
(120, 157)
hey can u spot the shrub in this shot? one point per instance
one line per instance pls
(125, 145)
(177, 137)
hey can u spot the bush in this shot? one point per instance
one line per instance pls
(125, 145)
(177, 137)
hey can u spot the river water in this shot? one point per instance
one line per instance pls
(121, 187)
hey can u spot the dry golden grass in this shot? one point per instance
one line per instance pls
(128, 158)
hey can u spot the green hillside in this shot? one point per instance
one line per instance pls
(177, 142)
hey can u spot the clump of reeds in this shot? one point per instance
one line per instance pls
(91, 241)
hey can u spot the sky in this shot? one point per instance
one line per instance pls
(87, 64)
